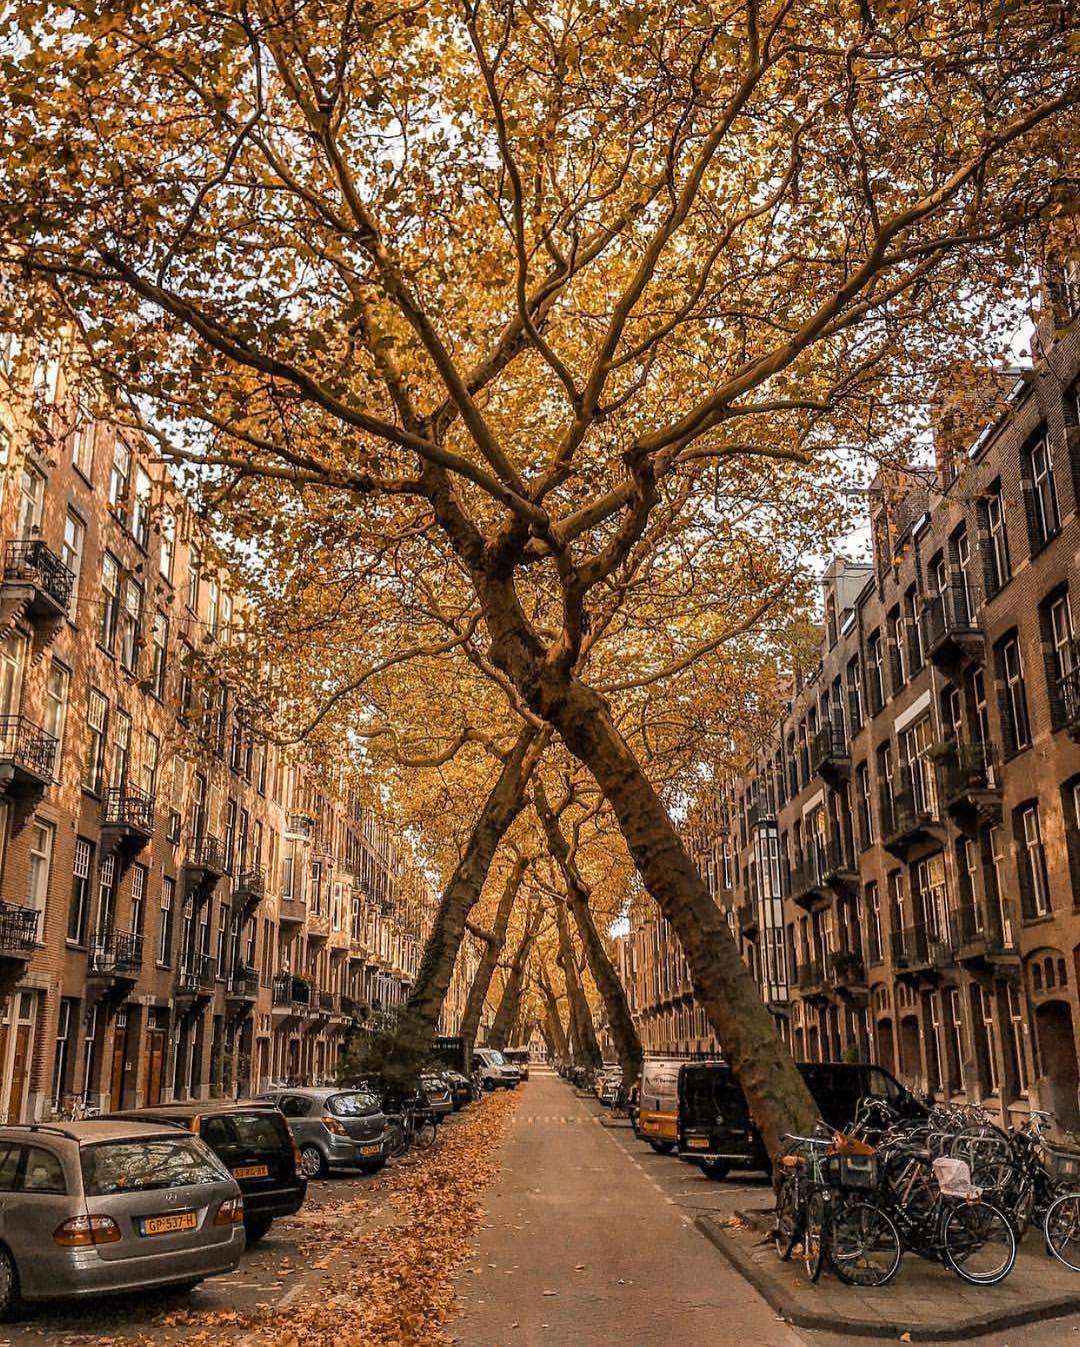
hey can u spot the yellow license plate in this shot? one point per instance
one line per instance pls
(370, 1150)
(251, 1172)
(165, 1225)
(698, 1143)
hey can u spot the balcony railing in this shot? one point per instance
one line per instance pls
(921, 947)
(196, 975)
(299, 826)
(747, 917)
(18, 930)
(762, 810)
(909, 810)
(243, 983)
(327, 1002)
(812, 977)
(116, 954)
(830, 756)
(847, 969)
(251, 885)
(950, 622)
(808, 883)
(207, 853)
(968, 776)
(288, 990)
(129, 809)
(1068, 697)
(988, 932)
(27, 751)
(32, 562)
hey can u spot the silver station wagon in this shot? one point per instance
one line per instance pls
(99, 1207)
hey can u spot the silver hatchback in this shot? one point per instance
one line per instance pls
(335, 1129)
(100, 1207)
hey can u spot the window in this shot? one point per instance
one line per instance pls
(875, 674)
(1060, 648)
(230, 834)
(97, 716)
(55, 709)
(1070, 808)
(121, 749)
(187, 684)
(138, 898)
(37, 877)
(213, 606)
(72, 550)
(129, 625)
(1016, 1028)
(1041, 493)
(987, 1037)
(110, 601)
(151, 756)
(194, 578)
(914, 630)
(956, 1015)
(226, 618)
(167, 556)
(119, 477)
(168, 894)
(222, 936)
(1034, 879)
(873, 913)
(1013, 695)
(62, 1055)
(85, 434)
(855, 694)
(80, 891)
(864, 805)
(140, 516)
(999, 569)
(897, 651)
(45, 380)
(31, 496)
(159, 667)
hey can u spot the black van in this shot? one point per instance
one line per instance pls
(717, 1132)
(254, 1142)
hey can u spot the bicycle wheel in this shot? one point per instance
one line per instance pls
(814, 1235)
(1063, 1230)
(423, 1137)
(863, 1244)
(395, 1138)
(978, 1243)
(788, 1225)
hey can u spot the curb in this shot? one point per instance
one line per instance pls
(953, 1330)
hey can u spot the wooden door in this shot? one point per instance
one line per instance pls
(116, 1081)
(20, 1067)
(155, 1059)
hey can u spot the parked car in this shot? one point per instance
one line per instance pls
(253, 1140)
(518, 1057)
(494, 1071)
(440, 1099)
(108, 1205)
(611, 1090)
(715, 1129)
(334, 1128)
(658, 1112)
(461, 1089)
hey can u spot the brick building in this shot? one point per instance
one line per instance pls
(186, 909)
(901, 864)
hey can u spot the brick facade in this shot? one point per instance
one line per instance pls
(186, 909)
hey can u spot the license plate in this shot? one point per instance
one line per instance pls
(165, 1225)
(371, 1150)
(698, 1143)
(251, 1172)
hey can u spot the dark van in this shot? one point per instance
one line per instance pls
(717, 1132)
(254, 1141)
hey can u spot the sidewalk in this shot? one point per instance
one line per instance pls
(924, 1300)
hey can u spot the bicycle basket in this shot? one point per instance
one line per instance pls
(858, 1173)
(1062, 1164)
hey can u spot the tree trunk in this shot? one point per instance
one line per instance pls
(605, 974)
(507, 1013)
(554, 1031)
(420, 1017)
(587, 1049)
(493, 946)
(775, 1091)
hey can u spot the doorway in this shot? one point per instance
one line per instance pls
(1059, 1077)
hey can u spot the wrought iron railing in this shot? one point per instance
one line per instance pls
(812, 976)
(128, 807)
(195, 974)
(289, 990)
(921, 946)
(830, 750)
(965, 768)
(32, 561)
(952, 612)
(116, 952)
(251, 883)
(243, 983)
(847, 967)
(207, 853)
(27, 746)
(18, 930)
(299, 825)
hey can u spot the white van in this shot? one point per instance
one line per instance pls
(494, 1070)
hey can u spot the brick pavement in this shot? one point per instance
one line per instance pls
(577, 1245)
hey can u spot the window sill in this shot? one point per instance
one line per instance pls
(1040, 919)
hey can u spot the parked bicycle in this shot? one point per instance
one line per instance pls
(412, 1129)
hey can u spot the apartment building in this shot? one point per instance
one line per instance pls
(184, 908)
(914, 821)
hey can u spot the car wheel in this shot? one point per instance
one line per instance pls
(257, 1226)
(184, 1288)
(662, 1147)
(312, 1163)
(715, 1169)
(10, 1300)
(372, 1169)
(489, 1085)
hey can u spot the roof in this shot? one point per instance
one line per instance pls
(84, 1132)
(191, 1108)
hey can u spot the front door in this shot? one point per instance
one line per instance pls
(116, 1076)
(155, 1059)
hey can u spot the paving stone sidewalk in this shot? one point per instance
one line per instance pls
(925, 1300)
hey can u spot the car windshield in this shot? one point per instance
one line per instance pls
(352, 1105)
(264, 1130)
(139, 1165)
(497, 1059)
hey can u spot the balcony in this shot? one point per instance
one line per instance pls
(115, 956)
(34, 576)
(921, 949)
(951, 634)
(986, 935)
(848, 973)
(762, 811)
(206, 858)
(27, 756)
(747, 917)
(299, 827)
(1068, 697)
(813, 980)
(291, 994)
(830, 757)
(242, 987)
(18, 931)
(318, 925)
(129, 814)
(196, 976)
(249, 889)
(292, 910)
(809, 887)
(969, 783)
(910, 815)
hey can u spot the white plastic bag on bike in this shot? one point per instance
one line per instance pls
(954, 1178)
